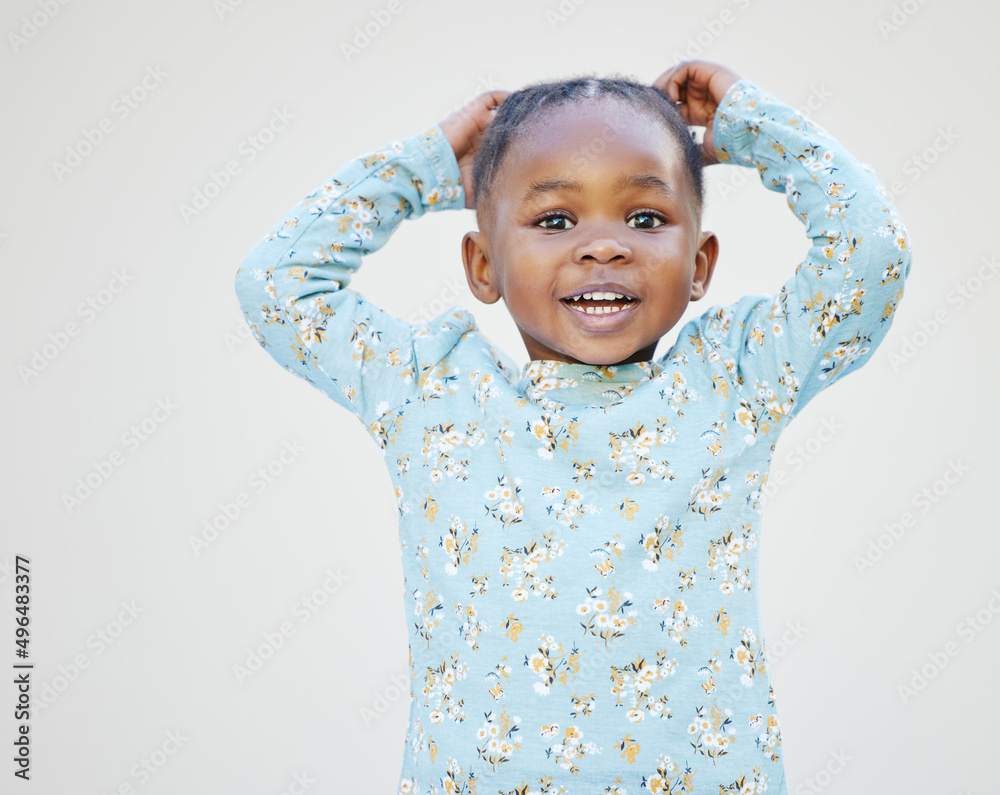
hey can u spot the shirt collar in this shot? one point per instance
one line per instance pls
(552, 383)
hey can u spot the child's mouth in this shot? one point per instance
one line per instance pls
(599, 303)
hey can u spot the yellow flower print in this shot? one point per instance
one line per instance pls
(841, 357)
(480, 584)
(554, 432)
(387, 428)
(570, 509)
(519, 567)
(724, 557)
(470, 626)
(630, 450)
(712, 732)
(438, 685)
(669, 779)
(513, 627)
(750, 656)
(769, 740)
(741, 785)
(607, 618)
(629, 748)
(544, 787)
(430, 508)
(679, 621)
(499, 740)
(661, 542)
(495, 680)
(438, 382)
(584, 470)
(440, 443)
(708, 493)
(455, 782)
(459, 544)
(606, 555)
(582, 706)
(634, 681)
(552, 664)
(427, 606)
(677, 394)
(504, 503)
(571, 749)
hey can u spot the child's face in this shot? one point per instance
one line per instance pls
(593, 198)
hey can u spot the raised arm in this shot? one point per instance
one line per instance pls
(293, 286)
(829, 317)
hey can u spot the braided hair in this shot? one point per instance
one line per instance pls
(516, 111)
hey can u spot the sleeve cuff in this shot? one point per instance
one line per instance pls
(729, 137)
(448, 192)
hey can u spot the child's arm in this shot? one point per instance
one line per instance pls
(293, 284)
(830, 316)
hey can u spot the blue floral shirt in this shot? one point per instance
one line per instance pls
(579, 543)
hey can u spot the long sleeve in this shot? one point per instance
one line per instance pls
(829, 317)
(293, 285)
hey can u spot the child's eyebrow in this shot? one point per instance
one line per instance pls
(648, 181)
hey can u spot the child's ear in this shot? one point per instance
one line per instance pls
(478, 270)
(704, 264)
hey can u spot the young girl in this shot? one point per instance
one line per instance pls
(580, 538)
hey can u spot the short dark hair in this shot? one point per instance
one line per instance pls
(519, 107)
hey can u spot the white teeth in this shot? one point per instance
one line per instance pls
(597, 310)
(599, 297)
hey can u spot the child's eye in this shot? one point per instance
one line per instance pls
(556, 222)
(646, 220)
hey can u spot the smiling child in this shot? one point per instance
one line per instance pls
(580, 536)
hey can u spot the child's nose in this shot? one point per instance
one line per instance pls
(603, 246)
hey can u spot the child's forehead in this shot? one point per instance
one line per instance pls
(614, 110)
(586, 128)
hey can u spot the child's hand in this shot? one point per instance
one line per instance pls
(464, 128)
(698, 87)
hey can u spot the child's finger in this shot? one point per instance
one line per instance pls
(674, 81)
(494, 98)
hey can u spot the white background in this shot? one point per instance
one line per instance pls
(895, 79)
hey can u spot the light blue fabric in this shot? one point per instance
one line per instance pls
(580, 544)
